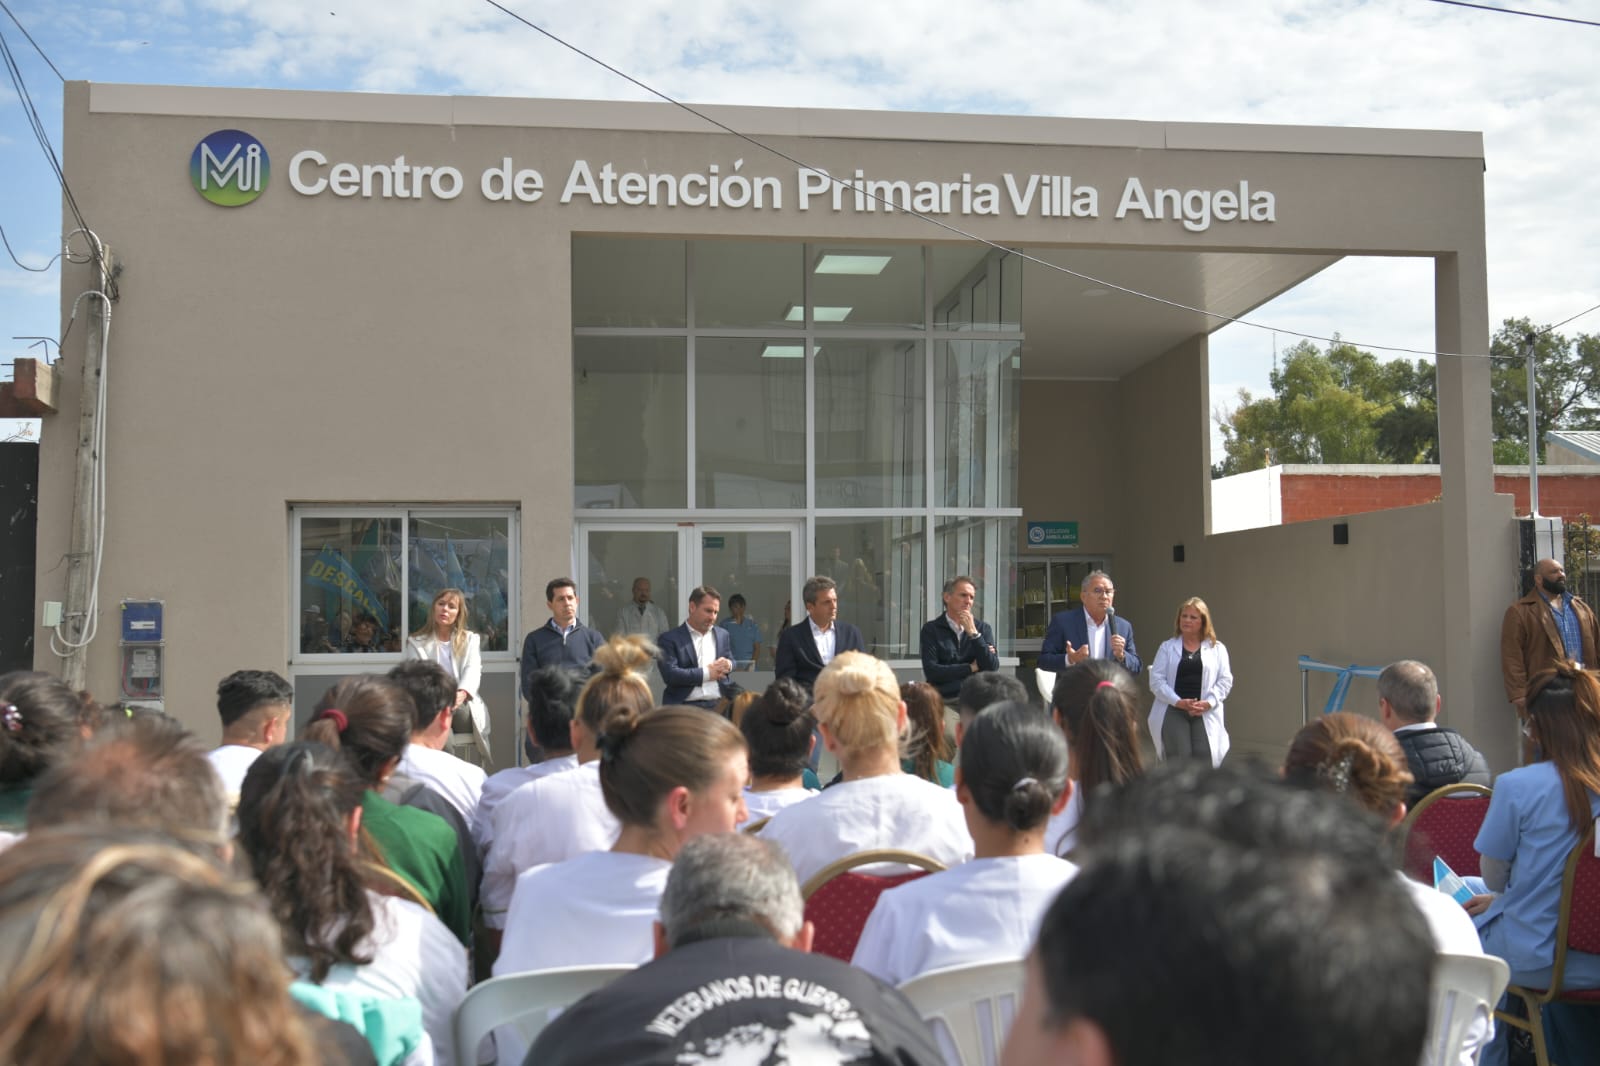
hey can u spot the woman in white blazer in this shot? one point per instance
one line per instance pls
(1190, 678)
(445, 639)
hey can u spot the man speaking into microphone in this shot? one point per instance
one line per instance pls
(1092, 631)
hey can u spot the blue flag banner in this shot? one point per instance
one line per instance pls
(331, 570)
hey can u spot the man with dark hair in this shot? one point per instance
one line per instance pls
(733, 980)
(1260, 924)
(982, 690)
(1408, 703)
(697, 657)
(255, 707)
(432, 689)
(744, 631)
(956, 645)
(562, 641)
(810, 644)
(146, 771)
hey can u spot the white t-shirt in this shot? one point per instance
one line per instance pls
(759, 805)
(502, 784)
(413, 956)
(232, 762)
(985, 910)
(1453, 934)
(550, 820)
(455, 779)
(1061, 836)
(889, 811)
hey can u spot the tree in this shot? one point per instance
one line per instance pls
(1336, 406)
(1566, 379)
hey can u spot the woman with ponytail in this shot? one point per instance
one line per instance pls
(368, 720)
(1011, 774)
(1359, 758)
(300, 817)
(875, 803)
(1094, 706)
(39, 717)
(1536, 817)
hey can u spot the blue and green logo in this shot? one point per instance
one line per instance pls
(229, 168)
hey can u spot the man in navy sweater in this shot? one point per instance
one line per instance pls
(562, 641)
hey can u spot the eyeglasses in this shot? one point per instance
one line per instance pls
(1103, 590)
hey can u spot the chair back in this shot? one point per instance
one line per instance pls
(838, 899)
(1578, 928)
(1465, 987)
(1045, 681)
(524, 1002)
(1445, 823)
(969, 1008)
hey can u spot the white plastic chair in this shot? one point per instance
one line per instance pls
(1465, 987)
(523, 1002)
(969, 1008)
(1045, 680)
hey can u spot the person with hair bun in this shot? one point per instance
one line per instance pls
(1011, 775)
(38, 728)
(778, 727)
(1360, 759)
(669, 775)
(564, 814)
(368, 720)
(1094, 705)
(875, 803)
(1536, 817)
(300, 816)
(552, 693)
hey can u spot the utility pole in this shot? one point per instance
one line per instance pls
(82, 569)
(1533, 431)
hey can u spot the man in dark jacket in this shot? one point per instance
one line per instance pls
(1408, 703)
(562, 641)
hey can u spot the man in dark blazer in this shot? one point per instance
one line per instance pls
(697, 657)
(1068, 639)
(810, 644)
(955, 645)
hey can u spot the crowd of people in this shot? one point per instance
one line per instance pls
(329, 893)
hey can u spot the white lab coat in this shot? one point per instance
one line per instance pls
(1216, 681)
(468, 671)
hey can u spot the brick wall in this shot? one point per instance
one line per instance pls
(1307, 497)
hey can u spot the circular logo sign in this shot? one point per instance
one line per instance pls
(229, 168)
(1036, 534)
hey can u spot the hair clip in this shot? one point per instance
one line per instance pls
(1338, 773)
(340, 722)
(11, 715)
(301, 756)
(1105, 684)
(1023, 784)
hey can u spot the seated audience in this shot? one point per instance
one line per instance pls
(778, 728)
(1535, 818)
(552, 692)
(732, 981)
(1012, 774)
(982, 690)
(300, 812)
(122, 949)
(876, 804)
(368, 720)
(1255, 924)
(1094, 704)
(38, 728)
(432, 689)
(255, 707)
(565, 814)
(1357, 758)
(927, 750)
(1408, 702)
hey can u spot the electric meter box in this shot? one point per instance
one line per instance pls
(141, 621)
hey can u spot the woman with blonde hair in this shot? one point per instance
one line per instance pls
(1358, 758)
(1093, 705)
(1189, 679)
(875, 804)
(445, 639)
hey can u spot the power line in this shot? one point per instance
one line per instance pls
(31, 41)
(1514, 11)
(20, 263)
(1564, 321)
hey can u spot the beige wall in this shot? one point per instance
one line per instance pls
(1060, 477)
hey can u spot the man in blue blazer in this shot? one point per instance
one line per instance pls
(697, 657)
(956, 645)
(1081, 633)
(809, 645)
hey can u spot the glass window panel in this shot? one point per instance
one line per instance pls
(618, 561)
(750, 423)
(976, 386)
(975, 288)
(630, 398)
(754, 564)
(622, 281)
(984, 549)
(880, 284)
(470, 554)
(350, 582)
(745, 283)
(870, 423)
(878, 564)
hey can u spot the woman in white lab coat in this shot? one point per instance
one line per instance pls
(445, 639)
(1190, 678)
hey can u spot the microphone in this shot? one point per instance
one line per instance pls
(1111, 629)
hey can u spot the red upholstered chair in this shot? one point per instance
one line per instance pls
(838, 900)
(1445, 822)
(1577, 929)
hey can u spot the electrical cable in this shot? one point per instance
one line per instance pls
(1514, 11)
(61, 644)
(20, 263)
(31, 41)
(957, 230)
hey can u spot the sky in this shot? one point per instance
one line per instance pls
(1412, 64)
